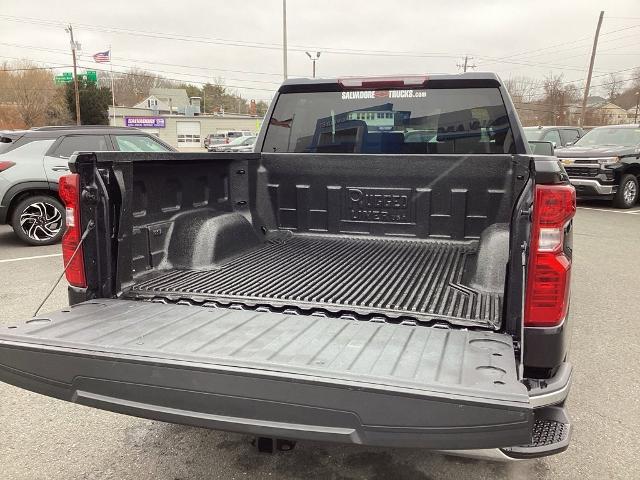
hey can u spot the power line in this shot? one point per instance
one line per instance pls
(586, 54)
(227, 42)
(301, 48)
(582, 39)
(535, 64)
(541, 88)
(276, 46)
(89, 57)
(57, 50)
(579, 46)
(464, 65)
(181, 80)
(31, 68)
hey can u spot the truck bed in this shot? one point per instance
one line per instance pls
(401, 279)
(326, 236)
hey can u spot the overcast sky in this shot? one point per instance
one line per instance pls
(356, 37)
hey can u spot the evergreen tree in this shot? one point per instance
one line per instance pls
(94, 102)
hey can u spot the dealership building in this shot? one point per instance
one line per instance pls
(175, 118)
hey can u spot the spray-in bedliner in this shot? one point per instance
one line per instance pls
(420, 280)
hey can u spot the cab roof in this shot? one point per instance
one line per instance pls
(460, 80)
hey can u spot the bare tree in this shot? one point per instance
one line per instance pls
(522, 89)
(58, 110)
(627, 98)
(29, 89)
(133, 86)
(634, 79)
(613, 86)
(4, 81)
(557, 98)
(572, 93)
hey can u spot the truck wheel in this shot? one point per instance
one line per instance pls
(39, 220)
(627, 195)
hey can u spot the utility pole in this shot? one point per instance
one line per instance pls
(284, 38)
(635, 117)
(314, 59)
(593, 59)
(74, 47)
(464, 66)
(113, 89)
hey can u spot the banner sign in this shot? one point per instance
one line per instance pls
(144, 122)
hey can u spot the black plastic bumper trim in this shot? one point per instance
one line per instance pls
(545, 347)
(552, 391)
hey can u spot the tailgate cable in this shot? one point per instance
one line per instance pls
(90, 226)
(524, 287)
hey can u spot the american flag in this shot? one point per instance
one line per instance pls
(281, 123)
(102, 57)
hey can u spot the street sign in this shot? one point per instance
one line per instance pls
(66, 77)
(89, 76)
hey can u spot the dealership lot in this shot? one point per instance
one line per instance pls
(44, 438)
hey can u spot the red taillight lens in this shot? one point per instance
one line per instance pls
(69, 190)
(549, 270)
(6, 164)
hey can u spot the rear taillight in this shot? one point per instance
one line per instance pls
(549, 270)
(5, 164)
(69, 190)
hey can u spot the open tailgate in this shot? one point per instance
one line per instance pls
(274, 374)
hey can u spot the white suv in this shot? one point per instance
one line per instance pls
(32, 161)
(222, 137)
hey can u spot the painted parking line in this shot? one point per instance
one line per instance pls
(626, 212)
(35, 257)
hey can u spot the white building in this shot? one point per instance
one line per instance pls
(166, 100)
(185, 132)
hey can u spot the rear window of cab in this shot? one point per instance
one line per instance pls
(408, 121)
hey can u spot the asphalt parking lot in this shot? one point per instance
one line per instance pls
(42, 438)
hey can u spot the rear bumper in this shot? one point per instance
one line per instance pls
(190, 407)
(552, 434)
(592, 187)
(548, 400)
(552, 391)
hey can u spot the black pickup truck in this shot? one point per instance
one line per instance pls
(391, 268)
(605, 163)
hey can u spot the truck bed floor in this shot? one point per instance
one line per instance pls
(420, 280)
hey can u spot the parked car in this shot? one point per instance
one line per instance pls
(222, 137)
(558, 136)
(237, 144)
(32, 161)
(208, 140)
(340, 285)
(250, 147)
(605, 163)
